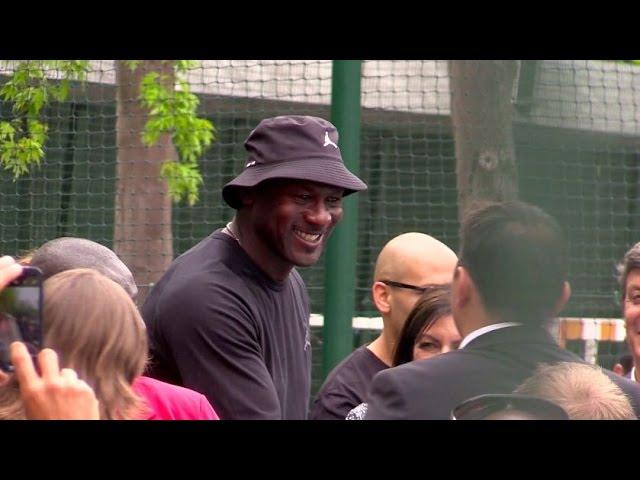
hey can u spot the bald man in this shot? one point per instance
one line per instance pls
(405, 265)
(66, 253)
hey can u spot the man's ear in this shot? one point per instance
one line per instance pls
(247, 196)
(563, 299)
(617, 368)
(463, 287)
(380, 294)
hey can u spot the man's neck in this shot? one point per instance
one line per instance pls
(382, 347)
(259, 252)
(474, 320)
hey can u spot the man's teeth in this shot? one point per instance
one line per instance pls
(309, 237)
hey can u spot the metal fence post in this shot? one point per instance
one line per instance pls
(340, 261)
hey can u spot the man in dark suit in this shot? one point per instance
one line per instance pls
(509, 283)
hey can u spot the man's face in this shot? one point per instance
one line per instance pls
(294, 218)
(402, 300)
(441, 337)
(631, 311)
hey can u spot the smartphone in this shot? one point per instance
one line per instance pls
(21, 314)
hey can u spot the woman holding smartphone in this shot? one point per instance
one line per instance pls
(94, 326)
(55, 394)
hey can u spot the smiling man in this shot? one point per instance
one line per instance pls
(629, 279)
(230, 317)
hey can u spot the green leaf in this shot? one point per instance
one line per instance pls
(61, 92)
(7, 132)
(185, 65)
(183, 180)
(132, 64)
(175, 112)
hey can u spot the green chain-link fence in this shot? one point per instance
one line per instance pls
(576, 134)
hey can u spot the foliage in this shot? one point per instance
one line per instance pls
(172, 108)
(28, 90)
(174, 111)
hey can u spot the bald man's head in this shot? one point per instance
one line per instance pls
(417, 255)
(67, 253)
(412, 259)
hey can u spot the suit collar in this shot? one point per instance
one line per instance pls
(486, 329)
(512, 334)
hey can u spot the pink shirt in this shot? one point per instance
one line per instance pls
(171, 402)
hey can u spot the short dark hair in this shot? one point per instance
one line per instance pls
(631, 261)
(432, 305)
(516, 255)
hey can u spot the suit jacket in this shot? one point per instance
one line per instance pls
(496, 362)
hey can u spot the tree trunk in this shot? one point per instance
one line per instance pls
(481, 93)
(143, 236)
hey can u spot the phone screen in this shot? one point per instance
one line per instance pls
(20, 317)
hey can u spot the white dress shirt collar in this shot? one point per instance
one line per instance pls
(481, 331)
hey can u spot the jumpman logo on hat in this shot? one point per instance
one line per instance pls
(327, 140)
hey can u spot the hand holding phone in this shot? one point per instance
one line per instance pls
(57, 394)
(20, 309)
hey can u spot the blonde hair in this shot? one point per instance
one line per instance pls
(96, 329)
(584, 391)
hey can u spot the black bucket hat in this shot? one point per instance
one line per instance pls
(297, 147)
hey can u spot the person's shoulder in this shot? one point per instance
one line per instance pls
(445, 365)
(172, 402)
(341, 391)
(211, 245)
(343, 374)
(193, 277)
(349, 362)
(625, 383)
(219, 304)
(201, 294)
(363, 357)
(163, 389)
(409, 393)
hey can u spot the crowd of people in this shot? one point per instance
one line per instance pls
(225, 334)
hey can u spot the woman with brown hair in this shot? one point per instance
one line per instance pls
(161, 401)
(50, 394)
(428, 331)
(97, 331)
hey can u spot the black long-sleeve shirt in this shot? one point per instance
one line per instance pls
(219, 325)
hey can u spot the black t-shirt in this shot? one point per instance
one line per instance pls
(219, 325)
(346, 386)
